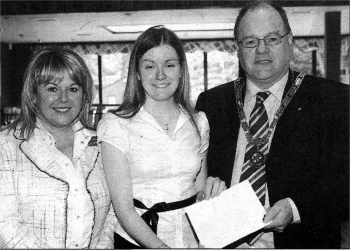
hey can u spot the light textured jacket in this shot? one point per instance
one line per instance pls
(34, 191)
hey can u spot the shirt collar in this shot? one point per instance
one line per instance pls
(77, 128)
(147, 117)
(276, 90)
(144, 113)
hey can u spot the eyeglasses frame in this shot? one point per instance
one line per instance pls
(258, 39)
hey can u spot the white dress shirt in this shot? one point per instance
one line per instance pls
(272, 103)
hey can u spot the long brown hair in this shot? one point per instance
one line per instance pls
(134, 94)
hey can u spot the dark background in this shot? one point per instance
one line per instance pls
(49, 7)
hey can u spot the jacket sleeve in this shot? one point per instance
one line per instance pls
(200, 102)
(13, 232)
(106, 240)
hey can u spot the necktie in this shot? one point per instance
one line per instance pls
(259, 125)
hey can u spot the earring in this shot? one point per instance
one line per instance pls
(138, 77)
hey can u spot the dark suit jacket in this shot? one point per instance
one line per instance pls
(308, 160)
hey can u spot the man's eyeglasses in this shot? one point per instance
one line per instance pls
(270, 40)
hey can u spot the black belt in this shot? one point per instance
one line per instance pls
(151, 217)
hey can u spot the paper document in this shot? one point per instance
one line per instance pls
(235, 213)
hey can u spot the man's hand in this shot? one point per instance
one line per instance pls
(281, 215)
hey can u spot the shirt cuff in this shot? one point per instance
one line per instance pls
(296, 215)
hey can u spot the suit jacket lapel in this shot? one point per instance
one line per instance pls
(234, 126)
(91, 158)
(233, 112)
(43, 158)
(41, 154)
(291, 115)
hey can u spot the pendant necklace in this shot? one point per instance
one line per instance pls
(164, 125)
(258, 159)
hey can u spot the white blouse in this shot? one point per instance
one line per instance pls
(163, 168)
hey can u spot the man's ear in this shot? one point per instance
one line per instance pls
(236, 46)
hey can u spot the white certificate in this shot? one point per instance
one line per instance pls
(235, 213)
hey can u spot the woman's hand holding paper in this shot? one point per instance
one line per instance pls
(213, 187)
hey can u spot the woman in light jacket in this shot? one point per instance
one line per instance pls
(53, 191)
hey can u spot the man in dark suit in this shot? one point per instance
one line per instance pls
(296, 144)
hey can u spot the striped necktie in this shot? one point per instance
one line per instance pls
(259, 125)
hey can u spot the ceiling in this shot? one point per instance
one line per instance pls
(84, 22)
